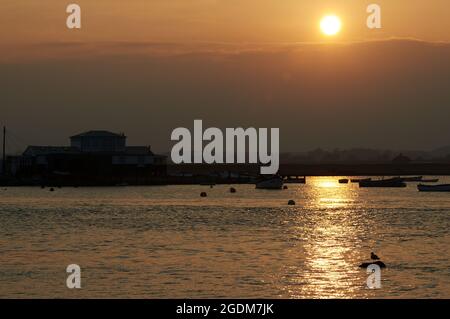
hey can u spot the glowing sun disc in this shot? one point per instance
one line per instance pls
(330, 25)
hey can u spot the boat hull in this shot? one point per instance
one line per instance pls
(271, 183)
(412, 179)
(356, 180)
(435, 180)
(434, 188)
(395, 183)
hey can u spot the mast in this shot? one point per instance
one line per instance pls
(4, 152)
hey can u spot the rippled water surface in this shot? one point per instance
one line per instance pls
(163, 242)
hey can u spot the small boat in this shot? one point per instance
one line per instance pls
(391, 182)
(358, 180)
(343, 181)
(431, 180)
(274, 182)
(412, 179)
(434, 188)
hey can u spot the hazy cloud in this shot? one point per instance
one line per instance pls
(382, 94)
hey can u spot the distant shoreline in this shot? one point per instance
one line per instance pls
(323, 169)
(234, 174)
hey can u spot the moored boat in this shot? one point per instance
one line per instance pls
(431, 180)
(391, 182)
(434, 188)
(412, 178)
(358, 180)
(274, 182)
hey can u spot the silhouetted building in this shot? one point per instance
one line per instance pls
(93, 158)
(99, 141)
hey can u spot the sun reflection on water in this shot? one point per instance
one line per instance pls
(328, 270)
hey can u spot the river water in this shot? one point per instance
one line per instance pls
(168, 242)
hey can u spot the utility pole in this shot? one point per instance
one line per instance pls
(4, 152)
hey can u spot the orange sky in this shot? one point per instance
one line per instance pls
(237, 21)
(260, 63)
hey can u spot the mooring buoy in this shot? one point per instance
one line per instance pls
(378, 262)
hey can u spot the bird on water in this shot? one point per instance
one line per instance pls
(375, 261)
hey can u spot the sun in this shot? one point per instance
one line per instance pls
(330, 25)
